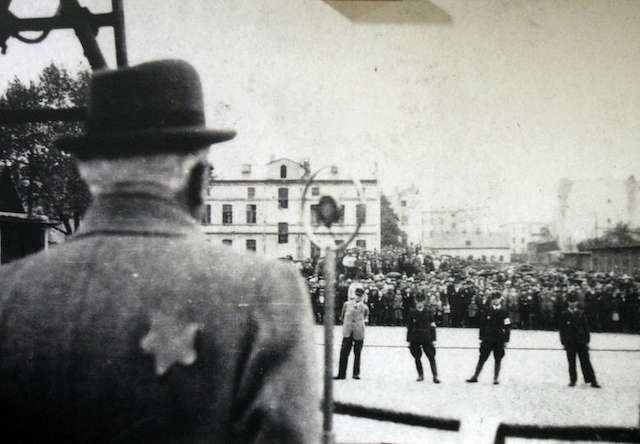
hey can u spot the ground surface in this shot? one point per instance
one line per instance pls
(533, 388)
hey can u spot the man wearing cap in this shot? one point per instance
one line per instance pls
(421, 336)
(137, 329)
(354, 316)
(575, 336)
(495, 331)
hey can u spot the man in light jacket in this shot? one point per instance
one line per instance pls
(354, 316)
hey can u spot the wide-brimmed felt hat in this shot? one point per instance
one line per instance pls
(152, 108)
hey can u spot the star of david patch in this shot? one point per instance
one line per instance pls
(170, 341)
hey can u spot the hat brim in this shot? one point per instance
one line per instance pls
(144, 142)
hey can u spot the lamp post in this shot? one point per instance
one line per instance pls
(328, 213)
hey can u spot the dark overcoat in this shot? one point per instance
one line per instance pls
(139, 330)
(421, 327)
(574, 328)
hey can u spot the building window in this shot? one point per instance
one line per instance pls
(339, 242)
(283, 171)
(206, 215)
(501, 258)
(453, 225)
(252, 212)
(227, 214)
(283, 197)
(467, 243)
(522, 240)
(315, 191)
(404, 220)
(246, 168)
(251, 192)
(251, 244)
(283, 233)
(361, 213)
(315, 250)
(403, 203)
(361, 243)
(227, 242)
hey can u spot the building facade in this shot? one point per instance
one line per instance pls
(520, 234)
(259, 208)
(456, 222)
(490, 247)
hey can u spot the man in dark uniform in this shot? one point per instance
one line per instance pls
(575, 336)
(421, 335)
(495, 331)
(138, 329)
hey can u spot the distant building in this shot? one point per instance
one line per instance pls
(406, 204)
(589, 208)
(520, 234)
(622, 259)
(258, 208)
(492, 247)
(20, 233)
(542, 252)
(458, 221)
(463, 232)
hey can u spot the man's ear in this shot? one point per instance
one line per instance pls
(191, 193)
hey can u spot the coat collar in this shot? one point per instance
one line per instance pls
(145, 208)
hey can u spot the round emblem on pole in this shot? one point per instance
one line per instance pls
(328, 212)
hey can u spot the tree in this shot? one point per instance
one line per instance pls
(390, 232)
(46, 178)
(619, 236)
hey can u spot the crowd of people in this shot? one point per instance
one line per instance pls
(456, 290)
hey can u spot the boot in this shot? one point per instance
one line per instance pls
(496, 373)
(474, 378)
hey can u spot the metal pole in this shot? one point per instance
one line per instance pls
(84, 32)
(118, 33)
(330, 290)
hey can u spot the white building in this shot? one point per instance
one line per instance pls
(491, 247)
(459, 221)
(258, 208)
(463, 232)
(522, 233)
(589, 208)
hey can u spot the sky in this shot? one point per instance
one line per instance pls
(484, 103)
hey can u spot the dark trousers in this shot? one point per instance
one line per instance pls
(429, 350)
(345, 349)
(485, 350)
(582, 351)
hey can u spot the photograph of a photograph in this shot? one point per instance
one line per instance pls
(320, 221)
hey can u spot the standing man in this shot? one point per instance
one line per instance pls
(495, 331)
(138, 329)
(354, 316)
(421, 335)
(575, 336)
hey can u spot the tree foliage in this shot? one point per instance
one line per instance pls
(390, 233)
(621, 235)
(46, 178)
